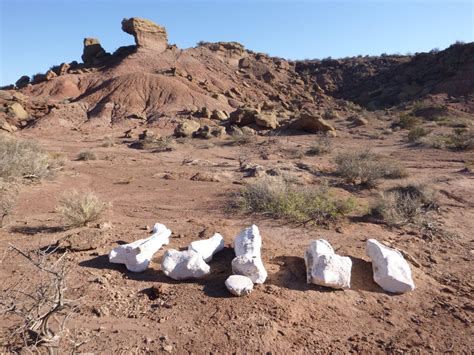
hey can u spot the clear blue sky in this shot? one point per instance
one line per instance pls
(38, 34)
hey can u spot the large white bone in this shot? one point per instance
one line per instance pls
(391, 271)
(248, 261)
(325, 268)
(182, 265)
(208, 247)
(239, 285)
(137, 255)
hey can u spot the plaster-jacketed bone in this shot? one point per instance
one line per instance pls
(182, 265)
(208, 247)
(137, 255)
(325, 268)
(248, 261)
(391, 271)
(239, 285)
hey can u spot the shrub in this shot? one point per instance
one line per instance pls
(322, 146)
(80, 209)
(278, 197)
(367, 168)
(23, 159)
(242, 139)
(108, 142)
(86, 155)
(407, 121)
(460, 139)
(416, 133)
(8, 194)
(404, 204)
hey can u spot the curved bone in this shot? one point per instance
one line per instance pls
(137, 255)
(208, 247)
(391, 271)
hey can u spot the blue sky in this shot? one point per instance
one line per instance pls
(35, 35)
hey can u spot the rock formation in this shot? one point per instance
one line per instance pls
(147, 34)
(92, 51)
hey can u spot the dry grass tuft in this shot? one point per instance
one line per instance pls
(279, 198)
(321, 146)
(404, 204)
(86, 155)
(366, 168)
(80, 209)
(8, 194)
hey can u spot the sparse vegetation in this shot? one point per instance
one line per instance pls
(8, 194)
(156, 144)
(404, 204)
(242, 139)
(108, 142)
(406, 121)
(367, 168)
(23, 159)
(321, 146)
(461, 139)
(80, 209)
(279, 198)
(86, 155)
(416, 133)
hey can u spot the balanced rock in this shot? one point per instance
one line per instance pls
(147, 34)
(182, 265)
(312, 124)
(391, 271)
(239, 285)
(208, 247)
(92, 51)
(248, 260)
(325, 268)
(137, 255)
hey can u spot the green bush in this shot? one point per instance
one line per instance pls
(366, 168)
(407, 121)
(279, 198)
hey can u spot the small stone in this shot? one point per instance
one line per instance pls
(239, 285)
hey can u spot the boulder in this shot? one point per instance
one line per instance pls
(22, 82)
(325, 268)
(357, 120)
(137, 255)
(147, 34)
(92, 51)
(312, 124)
(63, 68)
(208, 247)
(243, 116)
(391, 271)
(239, 285)
(17, 111)
(208, 132)
(244, 63)
(182, 265)
(205, 112)
(219, 115)
(5, 95)
(266, 119)
(248, 261)
(5, 126)
(186, 128)
(50, 75)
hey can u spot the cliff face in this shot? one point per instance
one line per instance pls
(381, 82)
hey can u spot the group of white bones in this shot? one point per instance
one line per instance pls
(323, 266)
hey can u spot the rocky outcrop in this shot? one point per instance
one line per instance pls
(186, 128)
(92, 51)
(147, 34)
(312, 124)
(22, 82)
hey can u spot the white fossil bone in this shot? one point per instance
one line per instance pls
(248, 260)
(182, 265)
(325, 268)
(208, 247)
(137, 255)
(391, 271)
(239, 285)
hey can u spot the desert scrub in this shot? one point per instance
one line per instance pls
(416, 133)
(8, 194)
(407, 121)
(404, 204)
(321, 146)
(279, 198)
(242, 139)
(366, 168)
(23, 159)
(461, 139)
(86, 155)
(108, 142)
(80, 209)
